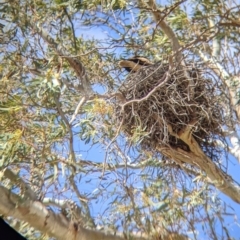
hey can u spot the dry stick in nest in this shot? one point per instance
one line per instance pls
(147, 100)
(162, 81)
(208, 112)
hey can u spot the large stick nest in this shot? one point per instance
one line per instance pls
(161, 103)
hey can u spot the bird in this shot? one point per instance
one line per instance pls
(133, 64)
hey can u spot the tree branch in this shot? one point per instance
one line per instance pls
(197, 157)
(73, 61)
(56, 225)
(235, 150)
(166, 29)
(159, 18)
(15, 179)
(226, 79)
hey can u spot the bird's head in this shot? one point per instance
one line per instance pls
(134, 64)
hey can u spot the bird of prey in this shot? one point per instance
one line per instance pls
(134, 64)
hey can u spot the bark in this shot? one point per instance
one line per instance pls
(165, 28)
(55, 225)
(197, 157)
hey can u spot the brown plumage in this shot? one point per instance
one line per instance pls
(134, 64)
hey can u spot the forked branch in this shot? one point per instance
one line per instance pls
(198, 158)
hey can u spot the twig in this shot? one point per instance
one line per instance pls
(175, 44)
(27, 191)
(60, 111)
(81, 102)
(219, 70)
(162, 81)
(74, 62)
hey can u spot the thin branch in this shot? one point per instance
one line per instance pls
(83, 200)
(60, 111)
(72, 26)
(81, 102)
(219, 70)
(215, 40)
(177, 53)
(73, 61)
(235, 150)
(14, 178)
(158, 16)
